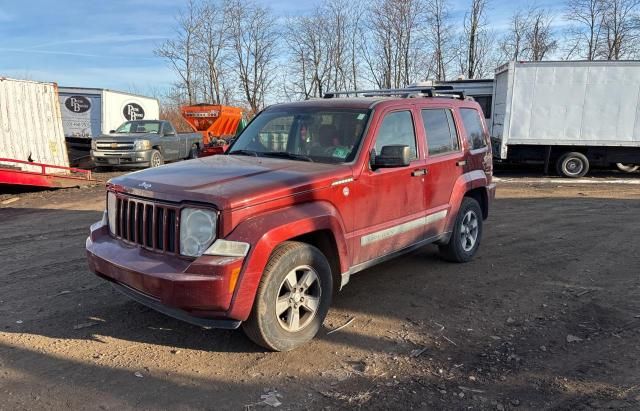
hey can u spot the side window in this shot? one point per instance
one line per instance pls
(397, 128)
(473, 126)
(485, 104)
(440, 131)
(168, 128)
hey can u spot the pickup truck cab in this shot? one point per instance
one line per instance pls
(309, 194)
(144, 143)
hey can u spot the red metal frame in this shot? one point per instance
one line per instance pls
(17, 176)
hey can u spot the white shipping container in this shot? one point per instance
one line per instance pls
(569, 103)
(31, 124)
(90, 112)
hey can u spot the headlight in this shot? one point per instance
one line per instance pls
(142, 145)
(93, 144)
(111, 211)
(197, 230)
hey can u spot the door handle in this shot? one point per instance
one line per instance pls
(419, 172)
(461, 163)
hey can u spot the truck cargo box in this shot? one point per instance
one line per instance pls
(90, 112)
(30, 124)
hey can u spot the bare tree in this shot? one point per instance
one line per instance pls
(513, 42)
(539, 37)
(441, 36)
(306, 40)
(254, 41)
(180, 52)
(621, 29)
(212, 41)
(395, 57)
(585, 33)
(477, 40)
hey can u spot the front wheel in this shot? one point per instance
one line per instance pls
(573, 165)
(293, 298)
(156, 159)
(628, 168)
(467, 232)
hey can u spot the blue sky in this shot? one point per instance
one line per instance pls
(110, 43)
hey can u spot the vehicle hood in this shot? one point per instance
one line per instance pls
(230, 182)
(129, 136)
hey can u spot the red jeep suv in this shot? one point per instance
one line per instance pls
(309, 194)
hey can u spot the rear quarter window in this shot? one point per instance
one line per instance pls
(473, 126)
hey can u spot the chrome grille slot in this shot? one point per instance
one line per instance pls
(148, 224)
(114, 146)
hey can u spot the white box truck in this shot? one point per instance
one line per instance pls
(91, 112)
(568, 114)
(30, 125)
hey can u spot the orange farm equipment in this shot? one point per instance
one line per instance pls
(217, 124)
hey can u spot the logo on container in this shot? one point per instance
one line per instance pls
(77, 104)
(133, 111)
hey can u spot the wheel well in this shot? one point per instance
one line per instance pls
(480, 195)
(325, 241)
(159, 148)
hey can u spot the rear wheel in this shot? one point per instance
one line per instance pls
(467, 233)
(572, 165)
(193, 153)
(293, 298)
(628, 168)
(156, 159)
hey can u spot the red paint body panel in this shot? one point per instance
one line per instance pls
(265, 201)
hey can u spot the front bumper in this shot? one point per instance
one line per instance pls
(121, 158)
(196, 291)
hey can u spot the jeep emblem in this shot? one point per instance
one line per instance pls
(145, 185)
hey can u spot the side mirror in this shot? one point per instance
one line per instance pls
(112, 131)
(393, 156)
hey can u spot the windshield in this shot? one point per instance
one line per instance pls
(304, 134)
(139, 127)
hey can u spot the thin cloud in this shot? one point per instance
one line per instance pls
(71, 53)
(104, 39)
(5, 17)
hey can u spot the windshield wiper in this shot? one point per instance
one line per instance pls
(245, 153)
(286, 154)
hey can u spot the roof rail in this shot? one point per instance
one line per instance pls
(409, 92)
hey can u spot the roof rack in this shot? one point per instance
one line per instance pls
(409, 92)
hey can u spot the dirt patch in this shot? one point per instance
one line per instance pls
(547, 316)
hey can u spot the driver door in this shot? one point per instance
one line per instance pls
(391, 201)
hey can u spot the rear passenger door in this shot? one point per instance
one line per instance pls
(445, 163)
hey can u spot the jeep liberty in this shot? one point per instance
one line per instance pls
(309, 193)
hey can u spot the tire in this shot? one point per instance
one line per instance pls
(628, 168)
(572, 165)
(193, 153)
(467, 233)
(156, 159)
(271, 324)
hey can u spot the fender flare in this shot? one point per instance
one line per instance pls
(266, 231)
(464, 183)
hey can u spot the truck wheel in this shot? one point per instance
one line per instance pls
(572, 165)
(156, 159)
(628, 168)
(193, 153)
(293, 298)
(467, 232)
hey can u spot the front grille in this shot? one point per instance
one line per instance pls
(114, 146)
(151, 225)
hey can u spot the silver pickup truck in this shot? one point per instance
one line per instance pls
(144, 143)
